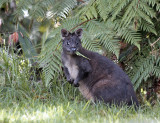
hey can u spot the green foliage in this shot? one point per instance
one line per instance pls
(104, 27)
(38, 9)
(142, 67)
(15, 73)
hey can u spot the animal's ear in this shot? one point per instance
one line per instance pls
(64, 33)
(78, 32)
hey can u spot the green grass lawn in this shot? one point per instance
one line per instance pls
(59, 110)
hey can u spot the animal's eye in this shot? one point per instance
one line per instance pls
(67, 43)
(77, 43)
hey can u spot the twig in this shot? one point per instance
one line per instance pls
(57, 47)
(152, 47)
(81, 1)
(138, 3)
(155, 42)
(82, 23)
(30, 25)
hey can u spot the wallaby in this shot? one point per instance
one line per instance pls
(97, 77)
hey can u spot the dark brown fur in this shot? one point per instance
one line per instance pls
(97, 77)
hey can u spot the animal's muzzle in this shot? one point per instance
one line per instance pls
(73, 49)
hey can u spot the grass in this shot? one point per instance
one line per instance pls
(59, 109)
(25, 100)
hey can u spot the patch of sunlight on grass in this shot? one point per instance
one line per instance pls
(75, 111)
(24, 114)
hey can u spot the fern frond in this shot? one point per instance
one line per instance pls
(96, 28)
(120, 5)
(147, 9)
(104, 34)
(110, 44)
(145, 26)
(89, 43)
(21, 6)
(3, 1)
(86, 12)
(129, 14)
(153, 3)
(63, 7)
(145, 68)
(143, 72)
(131, 37)
(102, 9)
(144, 16)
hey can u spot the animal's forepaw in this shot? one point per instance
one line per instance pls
(76, 85)
(70, 81)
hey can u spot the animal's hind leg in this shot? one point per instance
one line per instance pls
(109, 92)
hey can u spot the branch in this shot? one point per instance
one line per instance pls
(82, 23)
(31, 24)
(57, 47)
(81, 1)
(155, 42)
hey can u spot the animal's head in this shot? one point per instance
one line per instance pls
(71, 41)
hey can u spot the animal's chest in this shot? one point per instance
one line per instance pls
(72, 68)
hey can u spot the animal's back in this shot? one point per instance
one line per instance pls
(107, 81)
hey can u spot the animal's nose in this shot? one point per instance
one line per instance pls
(74, 49)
